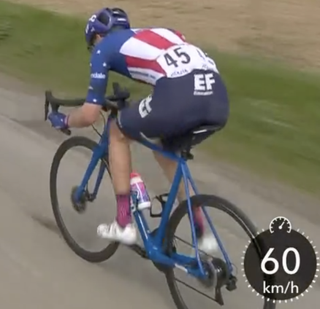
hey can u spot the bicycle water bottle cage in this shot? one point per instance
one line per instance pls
(162, 199)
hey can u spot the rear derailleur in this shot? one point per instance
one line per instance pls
(218, 276)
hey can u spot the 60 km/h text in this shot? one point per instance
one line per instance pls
(280, 289)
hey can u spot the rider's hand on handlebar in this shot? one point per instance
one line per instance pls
(58, 120)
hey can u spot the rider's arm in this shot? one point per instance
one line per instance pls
(89, 112)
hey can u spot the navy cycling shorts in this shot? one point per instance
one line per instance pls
(176, 106)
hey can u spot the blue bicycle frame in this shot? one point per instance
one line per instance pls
(153, 243)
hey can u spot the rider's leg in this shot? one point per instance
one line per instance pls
(130, 122)
(169, 168)
(206, 241)
(120, 168)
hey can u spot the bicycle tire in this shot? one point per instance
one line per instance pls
(209, 201)
(93, 257)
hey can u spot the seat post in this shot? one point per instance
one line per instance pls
(186, 153)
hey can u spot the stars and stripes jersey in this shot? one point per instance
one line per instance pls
(144, 55)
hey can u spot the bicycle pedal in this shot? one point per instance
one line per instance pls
(79, 205)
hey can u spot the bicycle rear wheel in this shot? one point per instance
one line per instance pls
(209, 201)
(93, 257)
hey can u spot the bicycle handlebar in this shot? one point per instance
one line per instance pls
(114, 102)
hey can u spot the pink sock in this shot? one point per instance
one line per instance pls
(198, 219)
(123, 210)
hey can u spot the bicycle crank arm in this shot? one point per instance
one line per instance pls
(139, 250)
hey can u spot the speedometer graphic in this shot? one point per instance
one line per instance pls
(280, 224)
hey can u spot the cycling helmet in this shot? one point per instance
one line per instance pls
(103, 21)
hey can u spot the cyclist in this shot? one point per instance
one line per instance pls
(187, 92)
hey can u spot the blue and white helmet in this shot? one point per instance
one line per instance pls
(103, 21)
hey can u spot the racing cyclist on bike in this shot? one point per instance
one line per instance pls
(187, 92)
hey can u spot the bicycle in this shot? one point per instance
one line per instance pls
(159, 244)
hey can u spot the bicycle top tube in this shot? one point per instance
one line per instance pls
(145, 142)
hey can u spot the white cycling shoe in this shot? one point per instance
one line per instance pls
(114, 232)
(208, 244)
(129, 235)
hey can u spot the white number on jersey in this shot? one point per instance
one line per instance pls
(182, 59)
(176, 57)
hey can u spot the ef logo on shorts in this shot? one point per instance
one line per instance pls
(287, 265)
(203, 84)
(144, 107)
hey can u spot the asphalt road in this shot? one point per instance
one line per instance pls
(37, 269)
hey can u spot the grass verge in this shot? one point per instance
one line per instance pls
(275, 112)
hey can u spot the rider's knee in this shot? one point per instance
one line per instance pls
(115, 133)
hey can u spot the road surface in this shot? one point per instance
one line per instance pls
(37, 269)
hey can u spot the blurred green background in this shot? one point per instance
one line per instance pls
(274, 125)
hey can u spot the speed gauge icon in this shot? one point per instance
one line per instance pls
(280, 224)
(288, 265)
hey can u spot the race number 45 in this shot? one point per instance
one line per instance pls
(176, 56)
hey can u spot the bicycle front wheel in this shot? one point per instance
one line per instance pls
(91, 256)
(227, 209)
